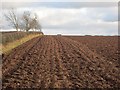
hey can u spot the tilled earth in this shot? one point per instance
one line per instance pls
(58, 62)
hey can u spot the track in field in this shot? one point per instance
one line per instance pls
(57, 62)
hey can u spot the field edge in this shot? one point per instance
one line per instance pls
(6, 49)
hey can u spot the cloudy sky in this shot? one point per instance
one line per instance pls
(71, 18)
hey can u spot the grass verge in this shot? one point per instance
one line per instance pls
(9, 46)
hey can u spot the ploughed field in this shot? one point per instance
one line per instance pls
(63, 62)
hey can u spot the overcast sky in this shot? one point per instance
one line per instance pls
(71, 18)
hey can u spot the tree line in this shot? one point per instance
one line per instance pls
(24, 22)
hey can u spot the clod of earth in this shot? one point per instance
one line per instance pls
(62, 62)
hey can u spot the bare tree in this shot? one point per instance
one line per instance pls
(11, 16)
(35, 23)
(30, 22)
(26, 22)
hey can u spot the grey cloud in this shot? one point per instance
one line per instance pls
(79, 24)
(80, 32)
(105, 14)
(110, 18)
(7, 5)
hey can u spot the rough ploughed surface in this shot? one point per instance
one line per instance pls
(63, 62)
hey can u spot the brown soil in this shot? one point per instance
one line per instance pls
(58, 62)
